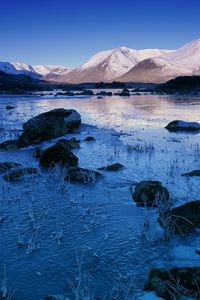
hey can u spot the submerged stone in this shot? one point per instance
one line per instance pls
(16, 175)
(53, 297)
(113, 167)
(72, 143)
(89, 139)
(104, 93)
(81, 175)
(10, 107)
(192, 173)
(7, 165)
(10, 145)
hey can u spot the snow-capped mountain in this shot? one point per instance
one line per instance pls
(51, 69)
(188, 55)
(155, 69)
(183, 61)
(38, 71)
(110, 64)
(123, 64)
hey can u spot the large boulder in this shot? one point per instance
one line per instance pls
(81, 175)
(151, 194)
(175, 283)
(179, 125)
(58, 154)
(50, 125)
(183, 219)
(17, 174)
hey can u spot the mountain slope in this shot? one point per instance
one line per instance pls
(188, 55)
(156, 69)
(109, 64)
(181, 62)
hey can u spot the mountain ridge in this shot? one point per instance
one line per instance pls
(35, 71)
(110, 64)
(120, 64)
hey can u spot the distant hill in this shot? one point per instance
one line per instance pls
(155, 69)
(21, 83)
(18, 83)
(184, 84)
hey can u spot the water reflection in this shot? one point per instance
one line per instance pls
(144, 110)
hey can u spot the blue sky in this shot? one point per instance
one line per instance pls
(68, 32)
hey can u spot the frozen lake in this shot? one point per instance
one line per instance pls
(102, 227)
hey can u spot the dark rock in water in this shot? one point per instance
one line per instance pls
(18, 173)
(52, 297)
(113, 167)
(89, 139)
(7, 165)
(50, 125)
(151, 194)
(37, 153)
(81, 175)
(57, 154)
(10, 145)
(197, 252)
(179, 125)
(125, 92)
(175, 283)
(104, 93)
(72, 143)
(68, 93)
(99, 97)
(87, 93)
(183, 219)
(192, 173)
(9, 107)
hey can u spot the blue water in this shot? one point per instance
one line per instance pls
(101, 225)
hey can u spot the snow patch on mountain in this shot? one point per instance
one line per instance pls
(155, 69)
(109, 64)
(38, 71)
(188, 55)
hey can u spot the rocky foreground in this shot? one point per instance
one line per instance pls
(175, 221)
